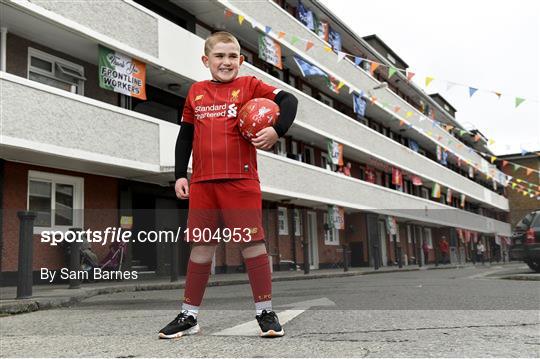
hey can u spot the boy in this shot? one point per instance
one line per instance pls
(225, 190)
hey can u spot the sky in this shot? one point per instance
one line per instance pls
(490, 45)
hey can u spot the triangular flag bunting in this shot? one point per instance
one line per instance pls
(519, 101)
(374, 66)
(498, 94)
(281, 35)
(341, 83)
(340, 56)
(409, 114)
(267, 29)
(294, 40)
(472, 90)
(241, 19)
(396, 109)
(391, 71)
(357, 61)
(228, 13)
(428, 80)
(309, 45)
(504, 163)
(516, 167)
(327, 49)
(491, 141)
(410, 75)
(493, 158)
(529, 171)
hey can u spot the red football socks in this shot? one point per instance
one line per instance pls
(196, 280)
(260, 278)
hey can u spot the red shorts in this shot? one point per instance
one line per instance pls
(225, 211)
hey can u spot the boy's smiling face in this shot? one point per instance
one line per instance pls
(224, 61)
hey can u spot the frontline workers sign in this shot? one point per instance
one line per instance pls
(122, 74)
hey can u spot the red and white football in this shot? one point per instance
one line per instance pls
(256, 114)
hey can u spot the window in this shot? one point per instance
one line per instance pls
(54, 71)
(292, 81)
(425, 193)
(283, 224)
(248, 56)
(294, 147)
(427, 237)
(203, 32)
(326, 100)
(297, 223)
(324, 162)
(306, 89)
(375, 126)
(331, 235)
(309, 155)
(281, 148)
(56, 199)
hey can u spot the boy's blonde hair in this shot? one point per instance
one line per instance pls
(220, 36)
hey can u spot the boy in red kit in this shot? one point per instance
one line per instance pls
(224, 192)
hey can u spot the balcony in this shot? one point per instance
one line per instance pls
(268, 13)
(315, 123)
(61, 129)
(285, 178)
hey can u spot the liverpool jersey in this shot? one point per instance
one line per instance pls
(219, 151)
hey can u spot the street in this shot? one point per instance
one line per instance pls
(467, 312)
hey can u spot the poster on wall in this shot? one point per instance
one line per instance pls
(336, 217)
(122, 74)
(270, 51)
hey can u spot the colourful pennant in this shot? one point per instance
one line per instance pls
(391, 71)
(281, 35)
(410, 75)
(472, 90)
(309, 45)
(373, 67)
(428, 80)
(519, 101)
(241, 19)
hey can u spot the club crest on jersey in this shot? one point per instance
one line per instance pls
(234, 95)
(198, 97)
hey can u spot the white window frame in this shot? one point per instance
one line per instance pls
(297, 222)
(427, 237)
(324, 161)
(283, 223)
(281, 147)
(331, 236)
(327, 100)
(294, 147)
(56, 62)
(311, 154)
(78, 197)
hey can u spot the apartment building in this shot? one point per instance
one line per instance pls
(82, 155)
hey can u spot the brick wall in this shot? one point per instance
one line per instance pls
(100, 201)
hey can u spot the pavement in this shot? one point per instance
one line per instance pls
(59, 295)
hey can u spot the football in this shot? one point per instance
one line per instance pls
(256, 114)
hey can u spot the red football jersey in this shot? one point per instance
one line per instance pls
(219, 151)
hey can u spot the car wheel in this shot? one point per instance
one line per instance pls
(534, 265)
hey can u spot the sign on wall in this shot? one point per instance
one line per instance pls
(270, 51)
(120, 73)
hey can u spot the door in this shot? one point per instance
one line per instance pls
(313, 240)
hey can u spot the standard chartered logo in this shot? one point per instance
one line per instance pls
(232, 111)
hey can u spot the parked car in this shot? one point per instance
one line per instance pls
(526, 241)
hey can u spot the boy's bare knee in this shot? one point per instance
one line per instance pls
(202, 253)
(253, 249)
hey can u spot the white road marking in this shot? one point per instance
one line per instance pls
(251, 328)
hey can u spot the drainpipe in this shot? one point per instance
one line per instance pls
(3, 48)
